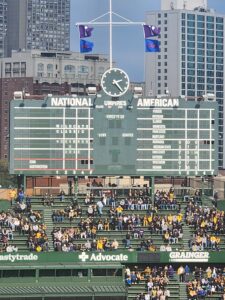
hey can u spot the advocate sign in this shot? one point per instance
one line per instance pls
(101, 257)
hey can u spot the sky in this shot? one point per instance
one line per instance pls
(128, 41)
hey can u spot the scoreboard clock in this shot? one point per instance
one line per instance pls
(115, 82)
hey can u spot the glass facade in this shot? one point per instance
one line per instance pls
(48, 25)
(202, 61)
(3, 27)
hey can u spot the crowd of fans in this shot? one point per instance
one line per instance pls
(133, 200)
(134, 226)
(72, 212)
(27, 223)
(166, 200)
(103, 216)
(208, 225)
(205, 218)
(156, 281)
(65, 240)
(138, 218)
(202, 241)
(206, 282)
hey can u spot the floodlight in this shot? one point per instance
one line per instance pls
(138, 90)
(91, 91)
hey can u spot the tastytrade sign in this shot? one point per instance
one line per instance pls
(146, 102)
(189, 256)
(18, 257)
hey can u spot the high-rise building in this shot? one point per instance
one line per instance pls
(38, 24)
(3, 27)
(191, 60)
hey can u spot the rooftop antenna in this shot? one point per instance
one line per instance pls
(110, 23)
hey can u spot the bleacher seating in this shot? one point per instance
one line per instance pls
(127, 220)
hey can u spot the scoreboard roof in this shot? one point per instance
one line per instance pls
(100, 135)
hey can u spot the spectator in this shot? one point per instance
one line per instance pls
(133, 277)
(115, 244)
(62, 196)
(181, 273)
(99, 207)
(12, 195)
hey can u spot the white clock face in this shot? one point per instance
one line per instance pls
(115, 82)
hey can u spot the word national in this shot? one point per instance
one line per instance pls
(68, 101)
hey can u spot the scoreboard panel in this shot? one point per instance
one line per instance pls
(99, 135)
(177, 140)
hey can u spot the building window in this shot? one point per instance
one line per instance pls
(40, 69)
(210, 19)
(83, 69)
(69, 71)
(191, 24)
(50, 70)
(191, 17)
(210, 26)
(201, 18)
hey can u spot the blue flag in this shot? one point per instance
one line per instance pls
(85, 31)
(86, 46)
(151, 45)
(150, 31)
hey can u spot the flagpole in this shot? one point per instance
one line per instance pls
(110, 34)
(110, 23)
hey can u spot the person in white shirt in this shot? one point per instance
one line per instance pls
(100, 207)
(147, 297)
(162, 248)
(127, 272)
(115, 245)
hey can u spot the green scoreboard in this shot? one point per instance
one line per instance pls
(108, 135)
